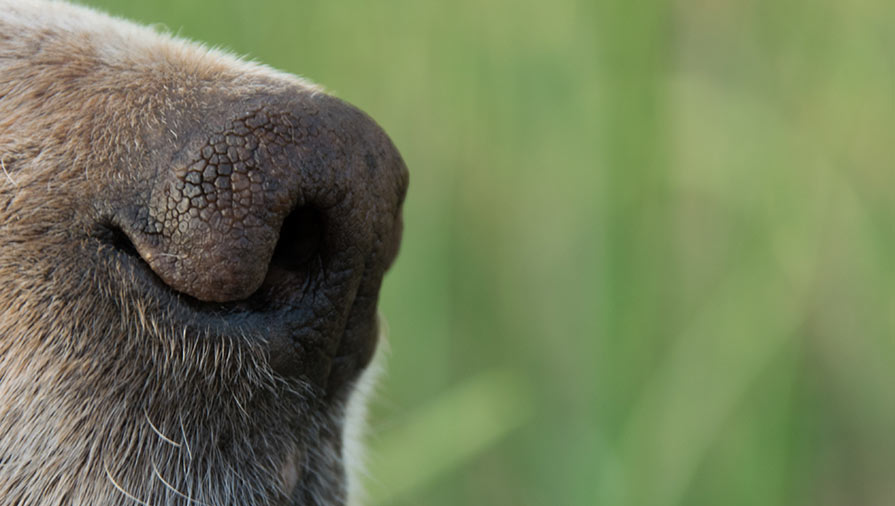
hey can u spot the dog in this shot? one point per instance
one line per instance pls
(191, 252)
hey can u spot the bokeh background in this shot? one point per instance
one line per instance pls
(649, 245)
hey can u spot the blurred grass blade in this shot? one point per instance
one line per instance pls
(704, 378)
(450, 430)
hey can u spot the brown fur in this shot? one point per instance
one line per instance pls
(145, 357)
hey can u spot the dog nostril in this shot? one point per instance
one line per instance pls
(301, 239)
(116, 238)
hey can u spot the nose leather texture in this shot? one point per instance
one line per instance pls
(215, 215)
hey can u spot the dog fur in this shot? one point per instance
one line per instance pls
(138, 362)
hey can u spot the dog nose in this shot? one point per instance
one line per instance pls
(280, 184)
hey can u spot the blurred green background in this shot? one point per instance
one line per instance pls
(649, 246)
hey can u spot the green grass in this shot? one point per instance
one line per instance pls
(650, 246)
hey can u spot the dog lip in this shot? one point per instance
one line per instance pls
(288, 333)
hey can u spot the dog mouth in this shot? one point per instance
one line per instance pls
(300, 315)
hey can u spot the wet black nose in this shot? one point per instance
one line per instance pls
(280, 185)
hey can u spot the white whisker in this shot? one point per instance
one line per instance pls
(158, 432)
(171, 487)
(120, 488)
(11, 180)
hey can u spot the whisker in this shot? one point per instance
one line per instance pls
(120, 488)
(158, 432)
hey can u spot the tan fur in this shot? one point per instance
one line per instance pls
(111, 390)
